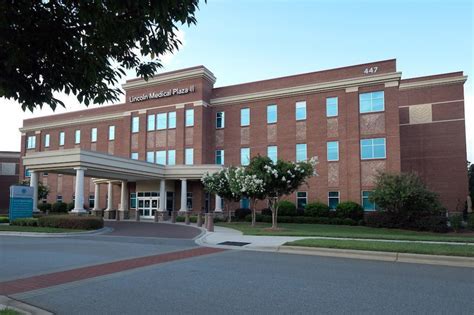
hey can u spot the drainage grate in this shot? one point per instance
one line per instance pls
(233, 243)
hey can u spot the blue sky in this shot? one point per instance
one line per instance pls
(242, 41)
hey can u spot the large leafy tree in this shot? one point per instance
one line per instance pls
(83, 47)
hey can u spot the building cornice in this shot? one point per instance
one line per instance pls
(432, 82)
(171, 77)
(310, 88)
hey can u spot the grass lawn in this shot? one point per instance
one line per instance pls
(9, 311)
(414, 248)
(291, 229)
(13, 228)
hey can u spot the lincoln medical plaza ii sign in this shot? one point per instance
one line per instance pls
(161, 94)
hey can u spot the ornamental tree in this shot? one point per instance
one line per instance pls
(83, 47)
(43, 190)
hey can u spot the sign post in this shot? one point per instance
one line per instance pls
(21, 202)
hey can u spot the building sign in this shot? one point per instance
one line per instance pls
(161, 94)
(21, 202)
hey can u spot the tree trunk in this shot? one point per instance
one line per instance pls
(229, 215)
(254, 214)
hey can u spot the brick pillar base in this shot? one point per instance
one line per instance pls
(186, 218)
(97, 213)
(210, 222)
(199, 220)
(173, 217)
(109, 214)
(137, 215)
(123, 215)
(162, 216)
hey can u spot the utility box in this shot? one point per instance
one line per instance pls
(21, 202)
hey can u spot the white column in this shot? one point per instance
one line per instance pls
(162, 207)
(124, 197)
(79, 191)
(110, 197)
(34, 184)
(184, 193)
(218, 207)
(96, 196)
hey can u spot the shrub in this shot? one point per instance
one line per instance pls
(361, 222)
(59, 207)
(316, 209)
(71, 222)
(336, 221)
(349, 221)
(25, 222)
(70, 206)
(286, 208)
(4, 220)
(437, 224)
(241, 213)
(266, 211)
(180, 218)
(470, 221)
(433, 223)
(44, 207)
(258, 217)
(456, 222)
(349, 209)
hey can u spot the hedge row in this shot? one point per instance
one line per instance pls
(58, 207)
(4, 220)
(62, 221)
(305, 220)
(435, 223)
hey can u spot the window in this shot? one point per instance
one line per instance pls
(61, 138)
(245, 203)
(245, 156)
(171, 157)
(31, 144)
(150, 157)
(134, 156)
(366, 203)
(91, 201)
(301, 199)
(220, 157)
(59, 198)
(331, 107)
(272, 114)
(161, 121)
(172, 120)
(189, 200)
(245, 117)
(371, 102)
(94, 135)
(301, 152)
(189, 156)
(111, 132)
(45, 173)
(135, 124)
(77, 137)
(220, 120)
(27, 173)
(133, 200)
(272, 153)
(150, 125)
(7, 169)
(333, 199)
(161, 157)
(189, 117)
(46, 140)
(372, 148)
(333, 151)
(300, 110)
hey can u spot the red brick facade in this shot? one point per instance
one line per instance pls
(422, 123)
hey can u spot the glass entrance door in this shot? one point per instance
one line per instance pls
(169, 202)
(147, 204)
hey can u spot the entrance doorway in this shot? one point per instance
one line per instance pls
(169, 202)
(147, 203)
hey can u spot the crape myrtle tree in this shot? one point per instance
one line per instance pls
(43, 190)
(83, 47)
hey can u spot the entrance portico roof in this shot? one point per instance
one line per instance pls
(101, 165)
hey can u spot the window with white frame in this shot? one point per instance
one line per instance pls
(94, 135)
(300, 110)
(245, 203)
(150, 157)
(77, 137)
(189, 117)
(111, 133)
(272, 114)
(220, 157)
(31, 142)
(134, 155)
(333, 199)
(333, 150)
(172, 120)
(245, 117)
(171, 157)
(7, 169)
(220, 120)
(301, 154)
(272, 153)
(301, 199)
(133, 200)
(161, 157)
(150, 124)
(372, 148)
(366, 203)
(189, 156)
(161, 119)
(62, 136)
(135, 124)
(244, 156)
(189, 200)
(47, 139)
(371, 102)
(59, 198)
(91, 201)
(27, 173)
(332, 107)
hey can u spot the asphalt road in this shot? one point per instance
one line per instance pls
(231, 282)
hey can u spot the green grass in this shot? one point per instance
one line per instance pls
(9, 311)
(414, 248)
(14, 228)
(291, 229)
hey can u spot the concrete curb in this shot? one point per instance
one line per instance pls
(23, 308)
(453, 261)
(37, 234)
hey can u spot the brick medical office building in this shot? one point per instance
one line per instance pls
(177, 126)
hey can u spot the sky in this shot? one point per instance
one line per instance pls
(249, 40)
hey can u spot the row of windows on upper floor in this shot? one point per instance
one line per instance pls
(31, 141)
(333, 200)
(163, 121)
(166, 157)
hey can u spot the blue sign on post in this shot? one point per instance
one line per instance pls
(21, 202)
